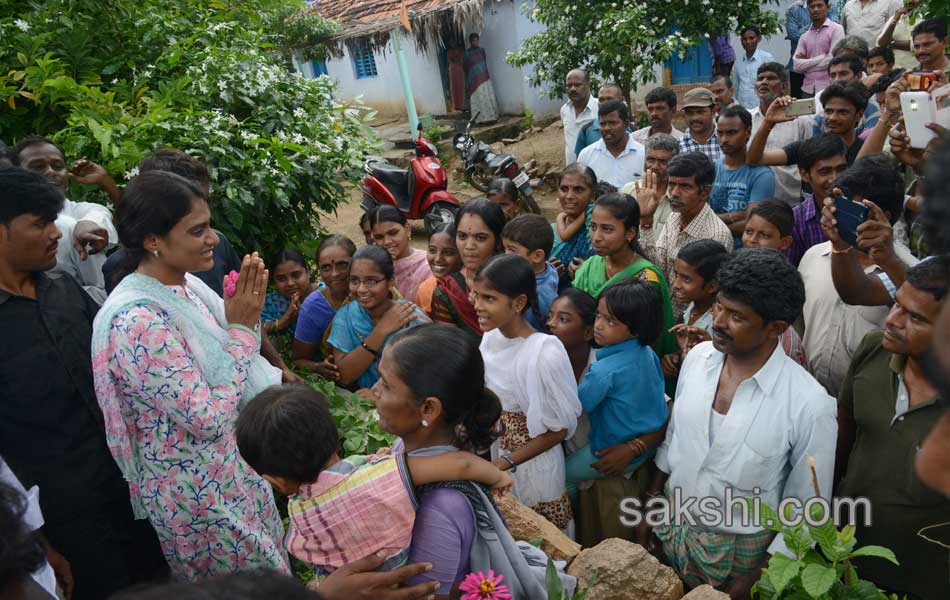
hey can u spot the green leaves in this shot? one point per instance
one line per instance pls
(115, 81)
(816, 579)
(781, 571)
(355, 419)
(821, 569)
(878, 551)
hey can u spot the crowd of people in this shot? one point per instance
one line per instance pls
(698, 322)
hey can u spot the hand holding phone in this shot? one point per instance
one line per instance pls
(799, 108)
(920, 81)
(849, 215)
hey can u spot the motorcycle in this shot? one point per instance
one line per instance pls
(482, 164)
(419, 192)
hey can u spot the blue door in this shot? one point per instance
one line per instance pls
(695, 68)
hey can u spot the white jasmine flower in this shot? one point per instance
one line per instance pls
(22, 25)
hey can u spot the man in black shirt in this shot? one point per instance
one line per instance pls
(844, 106)
(52, 432)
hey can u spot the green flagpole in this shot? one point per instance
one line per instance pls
(406, 83)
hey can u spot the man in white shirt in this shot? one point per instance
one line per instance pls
(867, 18)
(661, 106)
(772, 82)
(32, 519)
(746, 422)
(579, 110)
(87, 227)
(616, 157)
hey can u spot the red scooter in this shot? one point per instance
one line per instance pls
(419, 192)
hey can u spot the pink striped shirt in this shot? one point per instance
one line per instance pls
(355, 508)
(815, 46)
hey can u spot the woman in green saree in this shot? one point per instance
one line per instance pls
(614, 226)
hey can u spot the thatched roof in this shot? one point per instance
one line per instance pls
(373, 20)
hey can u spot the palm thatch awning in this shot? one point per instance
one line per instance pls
(371, 21)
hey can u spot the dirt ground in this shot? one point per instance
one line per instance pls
(545, 146)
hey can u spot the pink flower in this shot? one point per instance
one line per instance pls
(478, 586)
(230, 283)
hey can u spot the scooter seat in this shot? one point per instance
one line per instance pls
(390, 175)
(395, 179)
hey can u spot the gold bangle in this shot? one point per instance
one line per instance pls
(836, 251)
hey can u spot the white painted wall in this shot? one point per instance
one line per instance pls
(384, 92)
(535, 98)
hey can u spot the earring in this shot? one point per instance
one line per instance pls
(425, 423)
(155, 252)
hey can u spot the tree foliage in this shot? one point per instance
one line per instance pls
(623, 41)
(113, 80)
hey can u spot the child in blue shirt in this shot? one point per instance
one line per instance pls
(622, 392)
(531, 237)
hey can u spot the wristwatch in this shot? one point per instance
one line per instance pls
(507, 458)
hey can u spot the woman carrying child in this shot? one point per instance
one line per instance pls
(614, 223)
(532, 375)
(577, 190)
(173, 365)
(622, 392)
(478, 237)
(334, 256)
(342, 509)
(362, 327)
(391, 231)
(432, 395)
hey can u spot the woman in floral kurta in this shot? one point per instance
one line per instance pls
(213, 514)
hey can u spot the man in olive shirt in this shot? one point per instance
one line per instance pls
(52, 433)
(886, 408)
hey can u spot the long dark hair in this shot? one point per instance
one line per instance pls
(152, 204)
(513, 276)
(378, 256)
(624, 208)
(457, 379)
(489, 212)
(285, 255)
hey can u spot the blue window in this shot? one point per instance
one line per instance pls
(364, 62)
(319, 68)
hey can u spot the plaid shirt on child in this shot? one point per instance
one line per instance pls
(355, 508)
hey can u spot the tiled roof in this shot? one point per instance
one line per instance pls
(374, 19)
(349, 12)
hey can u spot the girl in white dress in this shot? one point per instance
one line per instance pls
(532, 375)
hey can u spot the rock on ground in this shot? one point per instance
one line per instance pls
(527, 525)
(706, 592)
(624, 570)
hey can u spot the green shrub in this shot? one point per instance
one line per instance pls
(114, 80)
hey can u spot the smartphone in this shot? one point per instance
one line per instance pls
(920, 81)
(919, 109)
(849, 215)
(800, 107)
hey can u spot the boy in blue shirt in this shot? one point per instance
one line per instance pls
(531, 237)
(622, 391)
(737, 184)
